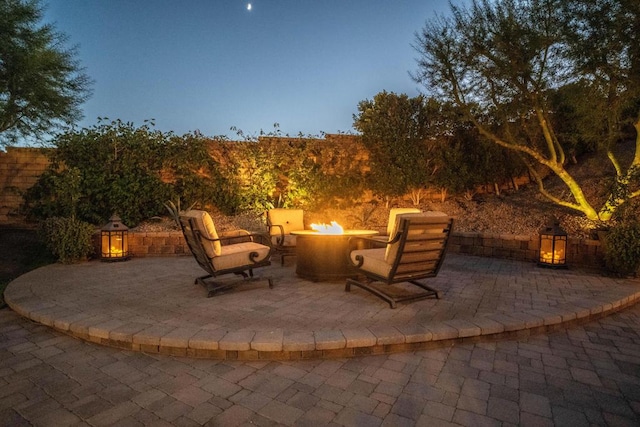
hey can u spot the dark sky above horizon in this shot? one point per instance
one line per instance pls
(208, 65)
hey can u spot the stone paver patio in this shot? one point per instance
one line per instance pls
(152, 305)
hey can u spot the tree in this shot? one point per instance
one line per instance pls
(501, 61)
(397, 131)
(41, 83)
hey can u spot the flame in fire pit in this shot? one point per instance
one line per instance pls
(333, 228)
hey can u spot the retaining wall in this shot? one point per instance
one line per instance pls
(581, 252)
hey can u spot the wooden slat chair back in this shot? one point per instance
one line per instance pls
(237, 252)
(415, 251)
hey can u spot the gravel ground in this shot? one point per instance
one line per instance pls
(520, 212)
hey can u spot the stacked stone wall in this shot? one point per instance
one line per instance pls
(581, 252)
(151, 244)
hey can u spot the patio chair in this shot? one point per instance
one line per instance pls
(280, 223)
(415, 251)
(391, 223)
(237, 251)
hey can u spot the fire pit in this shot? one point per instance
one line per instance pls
(323, 253)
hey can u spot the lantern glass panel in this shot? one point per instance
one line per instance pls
(114, 241)
(553, 250)
(104, 245)
(559, 249)
(546, 249)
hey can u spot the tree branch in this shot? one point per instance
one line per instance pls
(550, 196)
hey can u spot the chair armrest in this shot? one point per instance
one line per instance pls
(239, 236)
(233, 233)
(243, 236)
(396, 238)
(280, 236)
(365, 242)
(234, 236)
(261, 238)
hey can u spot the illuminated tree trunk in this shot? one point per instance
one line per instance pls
(621, 193)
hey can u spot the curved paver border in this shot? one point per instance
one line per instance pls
(66, 311)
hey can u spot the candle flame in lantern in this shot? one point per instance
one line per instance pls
(549, 257)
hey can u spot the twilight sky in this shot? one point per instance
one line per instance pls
(208, 65)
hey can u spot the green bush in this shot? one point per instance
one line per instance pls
(622, 249)
(68, 239)
(118, 167)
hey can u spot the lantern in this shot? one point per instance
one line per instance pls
(553, 246)
(114, 242)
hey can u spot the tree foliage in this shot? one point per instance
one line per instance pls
(131, 170)
(41, 82)
(503, 61)
(417, 143)
(302, 172)
(399, 133)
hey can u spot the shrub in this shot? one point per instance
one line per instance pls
(622, 253)
(68, 239)
(118, 167)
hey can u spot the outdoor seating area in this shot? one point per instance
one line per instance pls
(309, 309)
(151, 305)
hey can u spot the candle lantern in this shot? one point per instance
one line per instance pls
(114, 240)
(553, 246)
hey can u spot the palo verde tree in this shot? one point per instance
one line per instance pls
(41, 83)
(398, 132)
(501, 61)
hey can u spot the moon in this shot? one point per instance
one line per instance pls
(249, 6)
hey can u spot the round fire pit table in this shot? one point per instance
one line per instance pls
(324, 257)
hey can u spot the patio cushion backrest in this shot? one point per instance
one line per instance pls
(289, 219)
(393, 213)
(392, 248)
(204, 224)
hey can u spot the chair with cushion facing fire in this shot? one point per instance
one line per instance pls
(415, 251)
(280, 224)
(237, 251)
(391, 223)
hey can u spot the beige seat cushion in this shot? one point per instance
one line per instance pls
(373, 261)
(237, 255)
(289, 219)
(204, 224)
(392, 249)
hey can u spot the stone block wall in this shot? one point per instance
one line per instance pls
(19, 171)
(580, 252)
(158, 244)
(148, 244)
